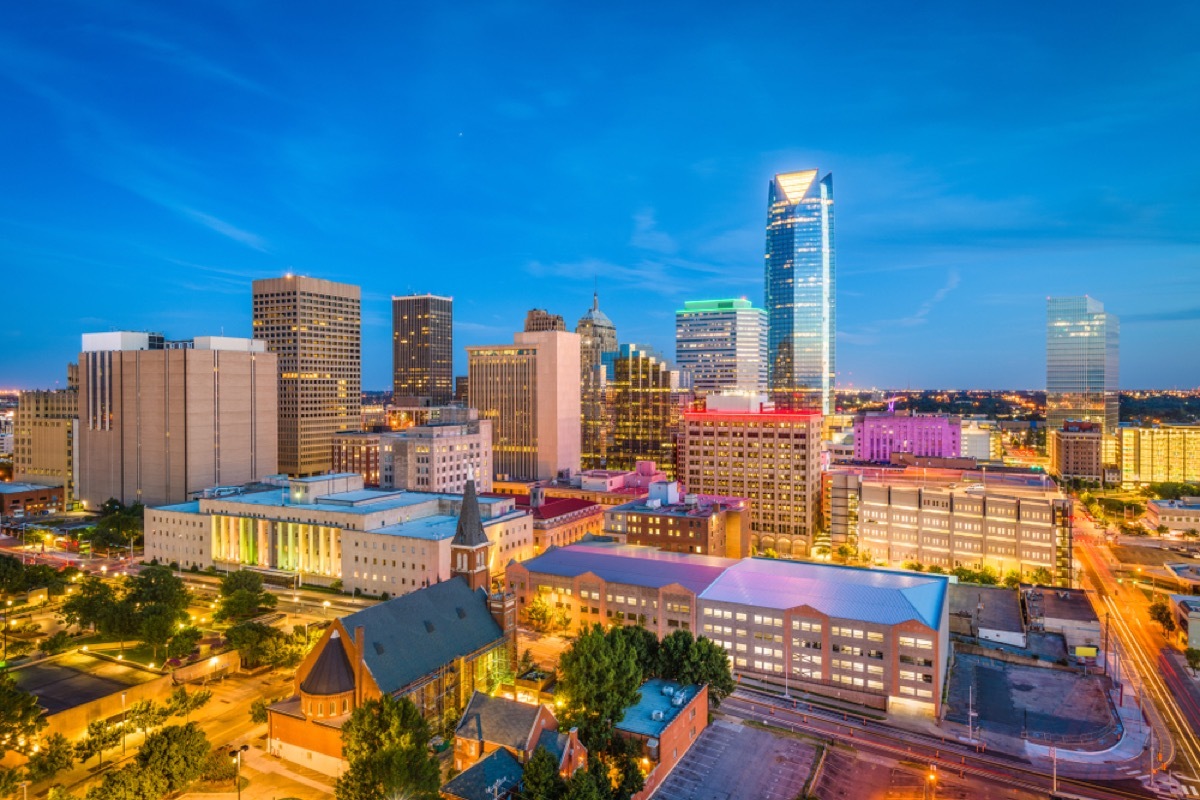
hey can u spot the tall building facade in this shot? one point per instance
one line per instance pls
(530, 391)
(722, 344)
(1167, 453)
(422, 350)
(538, 319)
(44, 431)
(773, 458)
(877, 436)
(1082, 358)
(640, 403)
(315, 328)
(159, 421)
(801, 283)
(597, 338)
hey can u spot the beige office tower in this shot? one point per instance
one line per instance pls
(159, 421)
(315, 327)
(530, 392)
(44, 430)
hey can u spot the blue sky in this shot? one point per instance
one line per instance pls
(155, 158)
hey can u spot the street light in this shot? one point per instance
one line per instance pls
(326, 605)
(931, 782)
(7, 605)
(236, 755)
(122, 724)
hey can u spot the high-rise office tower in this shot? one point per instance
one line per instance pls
(315, 328)
(539, 319)
(530, 392)
(597, 337)
(639, 397)
(44, 438)
(422, 350)
(722, 344)
(1082, 356)
(161, 420)
(801, 287)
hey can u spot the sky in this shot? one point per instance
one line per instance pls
(155, 158)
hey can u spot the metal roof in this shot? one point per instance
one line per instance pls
(639, 717)
(332, 673)
(413, 635)
(500, 771)
(884, 597)
(630, 564)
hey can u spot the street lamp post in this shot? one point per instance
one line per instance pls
(326, 606)
(236, 755)
(7, 605)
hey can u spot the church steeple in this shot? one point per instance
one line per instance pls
(469, 547)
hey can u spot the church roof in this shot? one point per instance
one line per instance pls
(331, 674)
(469, 532)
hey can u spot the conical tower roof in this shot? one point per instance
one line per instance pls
(470, 528)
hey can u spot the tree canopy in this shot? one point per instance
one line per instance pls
(260, 645)
(20, 716)
(598, 678)
(242, 595)
(541, 780)
(386, 744)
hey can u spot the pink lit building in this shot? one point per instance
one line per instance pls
(877, 436)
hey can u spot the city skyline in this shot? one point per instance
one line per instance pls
(167, 161)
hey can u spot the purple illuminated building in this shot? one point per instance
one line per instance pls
(877, 436)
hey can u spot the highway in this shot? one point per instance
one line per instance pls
(949, 756)
(1125, 610)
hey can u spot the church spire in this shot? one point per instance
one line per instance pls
(469, 532)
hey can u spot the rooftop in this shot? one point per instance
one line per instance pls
(10, 487)
(990, 607)
(500, 770)
(658, 699)
(553, 507)
(630, 564)
(498, 720)
(1182, 504)
(1072, 604)
(885, 597)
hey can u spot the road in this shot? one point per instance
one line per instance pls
(873, 737)
(1126, 611)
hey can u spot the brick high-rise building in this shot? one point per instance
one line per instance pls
(538, 319)
(44, 431)
(315, 328)
(159, 421)
(422, 350)
(737, 447)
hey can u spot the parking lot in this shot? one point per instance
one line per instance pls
(733, 761)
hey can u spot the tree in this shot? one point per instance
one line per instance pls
(91, 606)
(182, 704)
(100, 736)
(56, 642)
(541, 780)
(146, 715)
(645, 647)
(55, 755)
(157, 626)
(132, 782)
(258, 711)
(583, 786)
(10, 779)
(184, 642)
(177, 753)
(598, 679)
(545, 618)
(1160, 612)
(242, 595)
(1012, 579)
(20, 717)
(260, 645)
(1193, 659)
(1041, 577)
(1162, 530)
(386, 744)
(1190, 535)
(708, 663)
(159, 586)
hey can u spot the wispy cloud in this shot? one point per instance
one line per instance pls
(1175, 315)
(647, 236)
(921, 315)
(871, 334)
(174, 54)
(224, 228)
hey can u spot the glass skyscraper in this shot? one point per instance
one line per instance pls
(801, 290)
(1082, 348)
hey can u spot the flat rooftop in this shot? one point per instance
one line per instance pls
(639, 717)
(1072, 604)
(632, 565)
(885, 597)
(10, 487)
(76, 678)
(989, 607)
(363, 501)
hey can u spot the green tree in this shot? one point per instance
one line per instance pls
(644, 644)
(541, 780)
(131, 782)
(583, 786)
(159, 586)
(12, 575)
(56, 643)
(987, 576)
(91, 606)
(259, 645)
(1160, 612)
(258, 711)
(1162, 530)
(10, 779)
(1193, 659)
(1012, 579)
(183, 642)
(157, 626)
(598, 680)
(1041, 577)
(182, 704)
(20, 717)
(55, 755)
(146, 715)
(177, 753)
(242, 595)
(539, 614)
(100, 736)
(386, 744)
(1190, 536)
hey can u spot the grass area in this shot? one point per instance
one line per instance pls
(777, 731)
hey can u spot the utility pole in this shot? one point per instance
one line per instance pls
(1106, 614)
(1054, 768)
